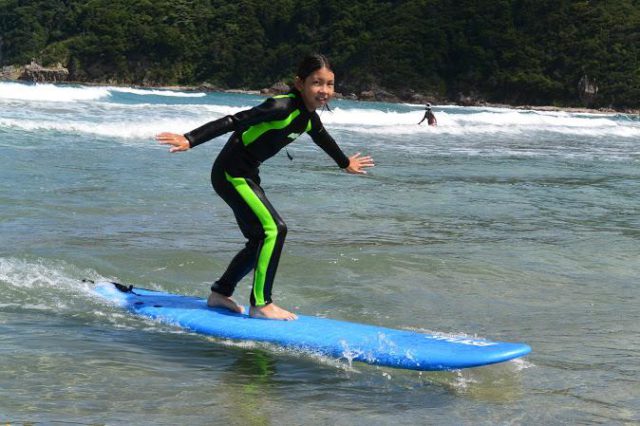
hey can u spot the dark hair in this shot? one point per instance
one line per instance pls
(311, 64)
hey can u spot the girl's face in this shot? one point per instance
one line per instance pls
(316, 89)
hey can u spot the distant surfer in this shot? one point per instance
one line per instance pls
(429, 116)
(258, 134)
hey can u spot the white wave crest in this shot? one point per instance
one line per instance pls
(51, 92)
(157, 92)
(120, 129)
(495, 121)
(143, 120)
(63, 93)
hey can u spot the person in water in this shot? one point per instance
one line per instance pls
(429, 116)
(258, 134)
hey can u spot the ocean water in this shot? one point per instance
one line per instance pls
(515, 225)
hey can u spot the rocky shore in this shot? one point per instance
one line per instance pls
(34, 72)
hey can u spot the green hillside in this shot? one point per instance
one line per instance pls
(505, 51)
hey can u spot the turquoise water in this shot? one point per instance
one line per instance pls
(503, 224)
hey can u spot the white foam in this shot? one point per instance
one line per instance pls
(51, 92)
(122, 129)
(520, 364)
(300, 353)
(40, 273)
(99, 115)
(487, 121)
(43, 285)
(63, 93)
(157, 92)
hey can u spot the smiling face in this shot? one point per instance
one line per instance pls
(317, 88)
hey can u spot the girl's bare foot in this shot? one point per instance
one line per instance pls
(219, 300)
(271, 311)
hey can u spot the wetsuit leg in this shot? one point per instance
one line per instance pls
(264, 229)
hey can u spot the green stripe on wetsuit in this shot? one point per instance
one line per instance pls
(254, 132)
(270, 230)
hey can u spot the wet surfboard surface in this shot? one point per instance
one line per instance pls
(323, 336)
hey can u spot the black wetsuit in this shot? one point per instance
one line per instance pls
(258, 134)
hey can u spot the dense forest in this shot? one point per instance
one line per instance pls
(553, 52)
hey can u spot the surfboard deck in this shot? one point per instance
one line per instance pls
(327, 337)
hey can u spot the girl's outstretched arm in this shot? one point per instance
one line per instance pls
(357, 163)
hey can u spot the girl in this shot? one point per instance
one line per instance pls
(258, 134)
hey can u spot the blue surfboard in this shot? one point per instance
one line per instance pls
(332, 338)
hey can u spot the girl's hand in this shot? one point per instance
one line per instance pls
(178, 142)
(357, 163)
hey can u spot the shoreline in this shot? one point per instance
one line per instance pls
(270, 92)
(267, 92)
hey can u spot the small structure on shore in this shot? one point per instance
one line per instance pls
(35, 72)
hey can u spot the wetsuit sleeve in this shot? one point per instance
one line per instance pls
(210, 130)
(323, 139)
(266, 111)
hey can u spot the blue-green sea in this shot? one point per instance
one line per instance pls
(513, 225)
